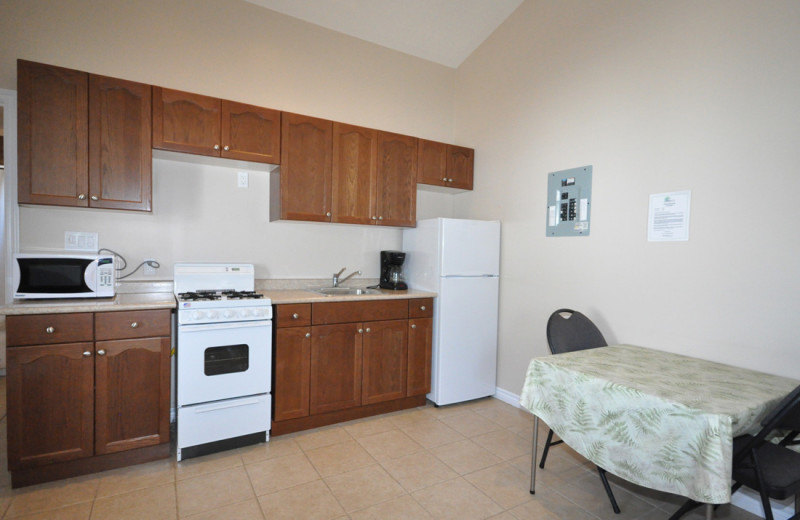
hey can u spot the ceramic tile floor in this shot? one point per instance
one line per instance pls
(469, 461)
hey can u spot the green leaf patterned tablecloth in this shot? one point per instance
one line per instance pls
(660, 420)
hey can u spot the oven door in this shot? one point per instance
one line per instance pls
(223, 360)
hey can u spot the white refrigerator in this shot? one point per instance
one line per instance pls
(460, 261)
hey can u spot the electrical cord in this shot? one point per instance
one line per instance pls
(152, 263)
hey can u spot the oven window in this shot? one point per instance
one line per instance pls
(226, 360)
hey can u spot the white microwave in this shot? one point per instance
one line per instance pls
(63, 276)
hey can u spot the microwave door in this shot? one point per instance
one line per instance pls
(51, 278)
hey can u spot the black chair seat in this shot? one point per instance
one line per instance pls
(780, 468)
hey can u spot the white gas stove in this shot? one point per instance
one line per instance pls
(224, 356)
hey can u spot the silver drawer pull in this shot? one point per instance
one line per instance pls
(368, 329)
(360, 331)
(50, 330)
(134, 324)
(295, 316)
(308, 334)
(87, 353)
(413, 326)
(422, 307)
(101, 352)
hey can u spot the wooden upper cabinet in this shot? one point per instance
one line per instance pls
(355, 153)
(250, 133)
(446, 165)
(53, 135)
(185, 122)
(460, 165)
(397, 180)
(120, 145)
(203, 125)
(305, 176)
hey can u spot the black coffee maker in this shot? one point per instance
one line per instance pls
(392, 270)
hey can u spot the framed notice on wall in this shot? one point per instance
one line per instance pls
(668, 219)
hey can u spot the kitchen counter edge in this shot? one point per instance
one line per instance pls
(279, 297)
(121, 302)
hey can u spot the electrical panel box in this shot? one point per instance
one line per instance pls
(569, 202)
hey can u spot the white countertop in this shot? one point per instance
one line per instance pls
(164, 300)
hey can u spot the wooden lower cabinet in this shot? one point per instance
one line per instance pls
(50, 392)
(340, 361)
(335, 367)
(87, 406)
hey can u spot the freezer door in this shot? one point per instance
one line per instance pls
(470, 247)
(465, 340)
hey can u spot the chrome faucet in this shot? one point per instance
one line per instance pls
(336, 276)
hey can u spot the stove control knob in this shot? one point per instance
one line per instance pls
(227, 314)
(198, 315)
(260, 313)
(212, 314)
(247, 312)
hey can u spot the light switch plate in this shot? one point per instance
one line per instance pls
(80, 241)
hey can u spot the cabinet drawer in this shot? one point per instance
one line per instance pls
(293, 315)
(420, 308)
(132, 324)
(363, 310)
(45, 329)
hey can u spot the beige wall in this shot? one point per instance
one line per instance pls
(234, 50)
(657, 97)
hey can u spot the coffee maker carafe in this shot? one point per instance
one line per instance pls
(392, 270)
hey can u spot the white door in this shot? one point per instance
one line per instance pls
(465, 344)
(470, 247)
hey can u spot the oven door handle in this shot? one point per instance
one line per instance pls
(222, 406)
(224, 326)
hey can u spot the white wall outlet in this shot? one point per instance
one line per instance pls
(243, 179)
(147, 269)
(80, 241)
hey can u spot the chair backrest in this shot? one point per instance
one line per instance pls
(784, 413)
(568, 331)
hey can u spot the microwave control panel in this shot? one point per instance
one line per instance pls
(569, 201)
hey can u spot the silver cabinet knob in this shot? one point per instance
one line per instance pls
(328, 214)
(101, 352)
(422, 307)
(444, 179)
(360, 331)
(82, 196)
(134, 324)
(94, 197)
(50, 330)
(226, 148)
(413, 326)
(449, 180)
(368, 329)
(380, 218)
(308, 334)
(374, 217)
(216, 147)
(86, 353)
(295, 316)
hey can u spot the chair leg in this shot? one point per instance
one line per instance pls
(761, 491)
(546, 448)
(608, 489)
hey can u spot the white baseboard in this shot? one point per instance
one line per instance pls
(746, 499)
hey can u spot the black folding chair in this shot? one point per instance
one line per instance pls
(568, 331)
(771, 468)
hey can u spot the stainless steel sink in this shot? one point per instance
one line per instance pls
(344, 291)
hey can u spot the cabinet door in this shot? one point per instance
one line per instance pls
(397, 180)
(53, 135)
(385, 361)
(50, 404)
(132, 394)
(460, 165)
(335, 367)
(120, 144)
(420, 343)
(355, 151)
(292, 372)
(432, 166)
(305, 177)
(250, 133)
(184, 122)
